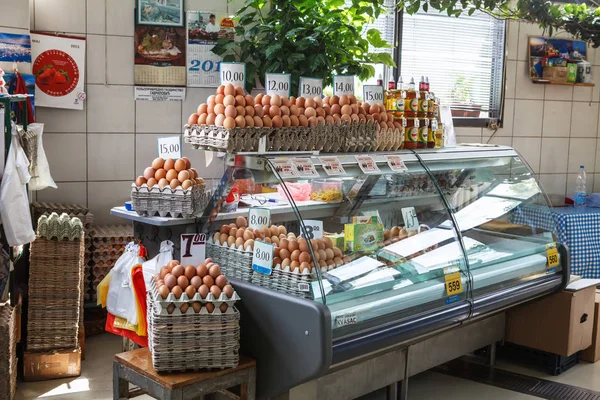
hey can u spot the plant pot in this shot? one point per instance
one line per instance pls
(466, 110)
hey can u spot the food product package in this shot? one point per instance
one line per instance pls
(152, 267)
(121, 301)
(298, 191)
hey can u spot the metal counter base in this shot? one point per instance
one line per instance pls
(388, 367)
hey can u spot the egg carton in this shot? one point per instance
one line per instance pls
(112, 234)
(235, 262)
(151, 201)
(217, 138)
(189, 363)
(388, 139)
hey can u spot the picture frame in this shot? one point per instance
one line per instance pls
(160, 12)
(558, 60)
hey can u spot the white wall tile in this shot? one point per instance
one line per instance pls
(525, 30)
(584, 119)
(467, 131)
(66, 153)
(582, 93)
(158, 117)
(193, 98)
(60, 16)
(96, 59)
(596, 78)
(110, 157)
(554, 156)
(554, 184)
(508, 116)
(528, 118)
(146, 150)
(510, 79)
(15, 14)
(96, 16)
(597, 158)
(596, 183)
(525, 88)
(572, 182)
(529, 149)
(558, 92)
(120, 17)
(212, 5)
(105, 195)
(512, 39)
(62, 120)
(112, 108)
(67, 192)
(557, 119)
(120, 60)
(497, 140)
(581, 152)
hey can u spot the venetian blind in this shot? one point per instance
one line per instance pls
(463, 57)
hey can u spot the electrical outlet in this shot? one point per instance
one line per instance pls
(493, 124)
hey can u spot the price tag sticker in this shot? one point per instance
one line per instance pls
(367, 164)
(284, 168)
(552, 255)
(345, 319)
(305, 168)
(314, 229)
(259, 218)
(411, 222)
(373, 94)
(343, 85)
(396, 163)
(279, 84)
(193, 248)
(453, 284)
(169, 147)
(310, 87)
(434, 124)
(262, 259)
(332, 166)
(234, 73)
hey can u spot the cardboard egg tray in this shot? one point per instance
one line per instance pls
(162, 304)
(8, 351)
(389, 139)
(165, 202)
(235, 262)
(74, 210)
(283, 280)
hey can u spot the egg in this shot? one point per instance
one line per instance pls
(180, 165)
(334, 100)
(210, 119)
(186, 184)
(275, 240)
(201, 270)
(158, 163)
(336, 109)
(230, 241)
(183, 281)
(183, 176)
(140, 180)
(240, 100)
(249, 100)
(248, 235)
(197, 306)
(293, 245)
(374, 109)
(174, 184)
(171, 308)
(249, 244)
(230, 112)
(258, 111)
(171, 174)
(239, 91)
(295, 256)
(177, 291)
(221, 281)
(344, 100)
(322, 263)
(267, 122)
(294, 265)
(329, 254)
(310, 102)
(337, 252)
(210, 307)
(169, 164)
(210, 100)
(208, 280)
(229, 100)
(275, 100)
(190, 291)
(229, 123)
(302, 121)
(163, 291)
(203, 291)
(277, 122)
(228, 290)
(195, 281)
(149, 173)
(170, 280)
(215, 291)
(240, 121)
(294, 110)
(250, 111)
(322, 255)
(219, 119)
(284, 253)
(229, 89)
(239, 242)
(320, 112)
(258, 98)
(218, 100)
(346, 110)
(310, 112)
(338, 261)
(202, 109)
(258, 122)
(178, 270)
(287, 122)
(304, 266)
(240, 110)
(304, 257)
(285, 263)
(284, 244)
(300, 102)
(189, 272)
(274, 111)
(321, 244)
(266, 100)
(240, 232)
(282, 230)
(249, 121)
(214, 271)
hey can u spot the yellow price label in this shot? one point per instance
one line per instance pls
(552, 256)
(453, 284)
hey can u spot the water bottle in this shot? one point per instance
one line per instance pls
(580, 191)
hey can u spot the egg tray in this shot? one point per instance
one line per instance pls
(235, 262)
(217, 138)
(389, 139)
(74, 210)
(165, 202)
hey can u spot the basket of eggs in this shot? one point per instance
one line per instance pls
(169, 188)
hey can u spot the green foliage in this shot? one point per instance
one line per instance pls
(313, 38)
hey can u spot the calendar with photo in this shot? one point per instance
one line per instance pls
(160, 56)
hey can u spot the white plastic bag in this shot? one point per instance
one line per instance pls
(152, 267)
(449, 134)
(41, 178)
(121, 299)
(14, 204)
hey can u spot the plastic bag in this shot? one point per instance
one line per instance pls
(40, 177)
(298, 191)
(121, 301)
(449, 134)
(153, 266)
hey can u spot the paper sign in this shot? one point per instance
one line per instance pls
(396, 164)
(284, 168)
(169, 147)
(305, 168)
(453, 284)
(193, 248)
(159, 93)
(310, 87)
(262, 260)
(314, 229)
(373, 94)
(279, 84)
(367, 164)
(332, 166)
(345, 319)
(552, 255)
(234, 73)
(411, 222)
(259, 218)
(434, 124)
(343, 85)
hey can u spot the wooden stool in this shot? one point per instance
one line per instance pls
(135, 366)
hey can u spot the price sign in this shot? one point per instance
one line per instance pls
(305, 168)
(280, 84)
(552, 255)
(284, 168)
(396, 164)
(193, 248)
(169, 147)
(234, 73)
(332, 166)
(373, 94)
(262, 259)
(314, 229)
(453, 284)
(259, 218)
(411, 222)
(343, 85)
(310, 87)
(367, 164)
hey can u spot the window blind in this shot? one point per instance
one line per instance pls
(463, 57)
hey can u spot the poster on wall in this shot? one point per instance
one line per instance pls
(58, 67)
(558, 60)
(159, 56)
(160, 12)
(204, 28)
(15, 49)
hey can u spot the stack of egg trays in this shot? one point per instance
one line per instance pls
(283, 280)
(55, 298)
(8, 352)
(166, 202)
(235, 262)
(217, 138)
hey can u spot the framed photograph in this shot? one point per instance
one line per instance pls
(551, 58)
(160, 12)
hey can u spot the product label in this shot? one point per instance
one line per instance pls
(411, 105)
(423, 131)
(234, 73)
(413, 134)
(314, 229)
(159, 93)
(262, 259)
(434, 124)
(367, 164)
(423, 106)
(284, 168)
(259, 218)
(404, 122)
(453, 284)
(395, 163)
(552, 255)
(310, 87)
(279, 84)
(169, 147)
(305, 168)
(332, 166)
(193, 248)
(343, 85)
(399, 104)
(346, 319)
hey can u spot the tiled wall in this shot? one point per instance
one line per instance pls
(95, 154)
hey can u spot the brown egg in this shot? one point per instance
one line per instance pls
(374, 109)
(223, 307)
(250, 111)
(184, 307)
(215, 291)
(286, 261)
(304, 257)
(171, 308)
(174, 184)
(302, 120)
(295, 256)
(221, 89)
(282, 229)
(284, 244)
(267, 122)
(239, 242)
(276, 261)
(240, 110)
(310, 102)
(164, 291)
(258, 122)
(346, 110)
(258, 98)
(172, 264)
(275, 100)
(180, 165)
(186, 184)
(218, 100)
(249, 244)
(344, 100)
(322, 255)
(248, 235)
(294, 110)
(266, 100)
(214, 271)
(229, 100)
(163, 183)
(140, 180)
(274, 111)
(170, 280)
(178, 270)
(322, 263)
(337, 252)
(285, 110)
(300, 102)
(189, 272)
(287, 122)
(160, 174)
(338, 261)
(208, 280)
(202, 109)
(240, 232)
(171, 174)
(190, 291)
(196, 281)
(329, 253)
(293, 245)
(240, 121)
(183, 281)
(240, 101)
(230, 241)
(277, 122)
(249, 121)
(336, 109)
(284, 253)
(229, 123)
(149, 173)
(221, 281)
(210, 307)
(197, 306)
(201, 270)
(210, 100)
(266, 109)
(239, 91)
(183, 176)
(249, 101)
(163, 272)
(219, 109)
(230, 111)
(321, 244)
(304, 266)
(228, 290)
(310, 112)
(223, 238)
(177, 291)
(229, 89)
(294, 266)
(203, 291)
(334, 100)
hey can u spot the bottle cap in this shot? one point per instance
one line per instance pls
(581, 166)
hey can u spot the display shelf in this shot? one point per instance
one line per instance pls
(542, 82)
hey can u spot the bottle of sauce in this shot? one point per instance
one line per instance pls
(423, 133)
(411, 133)
(399, 99)
(433, 126)
(423, 105)
(390, 96)
(411, 102)
(379, 80)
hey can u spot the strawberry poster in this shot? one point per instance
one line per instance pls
(58, 67)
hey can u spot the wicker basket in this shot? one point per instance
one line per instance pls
(8, 352)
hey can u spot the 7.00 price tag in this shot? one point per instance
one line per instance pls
(259, 218)
(343, 85)
(193, 248)
(169, 147)
(234, 73)
(453, 284)
(373, 94)
(310, 87)
(262, 259)
(279, 84)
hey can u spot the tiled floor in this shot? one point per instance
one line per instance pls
(95, 381)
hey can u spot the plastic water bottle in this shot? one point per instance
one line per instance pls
(580, 191)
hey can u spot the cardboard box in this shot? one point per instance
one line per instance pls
(561, 323)
(555, 74)
(51, 365)
(81, 342)
(592, 353)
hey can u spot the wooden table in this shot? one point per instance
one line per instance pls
(136, 367)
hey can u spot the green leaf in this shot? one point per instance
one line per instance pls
(375, 39)
(272, 50)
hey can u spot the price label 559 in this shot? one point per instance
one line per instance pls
(453, 284)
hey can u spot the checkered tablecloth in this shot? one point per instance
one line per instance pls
(578, 229)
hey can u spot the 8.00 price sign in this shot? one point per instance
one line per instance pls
(234, 73)
(262, 259)
(279, 84)
(259, 218)
(310, 87)
(373, 94)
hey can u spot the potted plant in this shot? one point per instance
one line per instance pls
(461, 92)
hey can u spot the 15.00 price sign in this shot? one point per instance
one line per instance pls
(169, 147)
(373, 94)
(310, 87)
(279, 84)
(234, 73)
